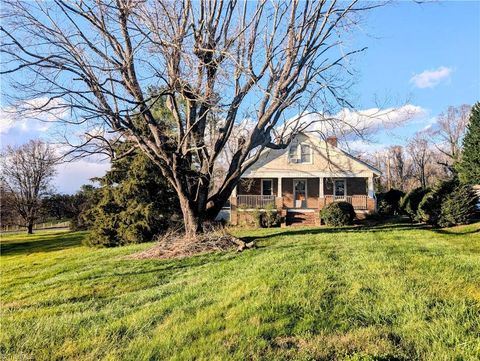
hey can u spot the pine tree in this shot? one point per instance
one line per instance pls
(469, 166)
(135, 203)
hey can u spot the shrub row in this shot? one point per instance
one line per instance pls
(448, 203)
(389, 202)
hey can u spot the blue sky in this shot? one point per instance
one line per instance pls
(405, 39)
(427, 55)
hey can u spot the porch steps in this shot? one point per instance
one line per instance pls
(302, 219)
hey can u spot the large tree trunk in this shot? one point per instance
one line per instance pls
(30, 228)
(219, 200)
(192, 219)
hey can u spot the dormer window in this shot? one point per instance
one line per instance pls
(300, 153)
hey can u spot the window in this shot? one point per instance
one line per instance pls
(306, 155)
(292, 153)
(339, 188)
(267, 187)
(300, 153)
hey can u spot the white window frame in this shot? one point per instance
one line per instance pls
(298, 152)
(335, 188)
(261, 186)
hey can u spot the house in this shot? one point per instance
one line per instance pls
(300, 180)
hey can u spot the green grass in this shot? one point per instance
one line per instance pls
(394, 292)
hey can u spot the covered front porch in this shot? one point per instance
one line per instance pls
(303, 194)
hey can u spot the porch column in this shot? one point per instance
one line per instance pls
(279, 203)
(371, 191)
(321, 195)
(279, 197)
(233, 207)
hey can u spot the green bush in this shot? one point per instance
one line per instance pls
(338, 214)
(267, 217)
(410, 201)
(135, 203)
(384, 208)
(389, 202)
(429, 209)
(458, 207)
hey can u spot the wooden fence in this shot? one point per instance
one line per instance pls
(36, 227)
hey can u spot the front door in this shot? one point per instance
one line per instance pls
(339, 189)
(300, 193)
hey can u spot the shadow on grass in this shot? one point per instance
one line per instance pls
(55, 241)
(455, 232)
(371, 228)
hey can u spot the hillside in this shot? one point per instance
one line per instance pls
(394, 292)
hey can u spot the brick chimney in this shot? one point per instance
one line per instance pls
(332, 141)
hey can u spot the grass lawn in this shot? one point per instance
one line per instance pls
(392, 292)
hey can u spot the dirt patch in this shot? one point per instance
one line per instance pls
(174, 244)
(369, 341)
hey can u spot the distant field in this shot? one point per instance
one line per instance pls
(395, 292)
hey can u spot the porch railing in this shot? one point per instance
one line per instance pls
(359, 202)
(255, 201)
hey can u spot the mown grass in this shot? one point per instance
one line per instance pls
(394, 292)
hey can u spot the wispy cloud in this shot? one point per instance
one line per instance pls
(31, 115)
(375, 119)
(363, 147)
(348, 123)
(431, 78)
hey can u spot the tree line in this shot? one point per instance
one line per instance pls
(131, 203)
(445, 190)
(428, 156)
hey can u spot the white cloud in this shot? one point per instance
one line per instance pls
(428, 124)
(6, 121)
(31, 115)
(71, 175)
(373, 119)
(363, 147)
(347, 123)
(431, 78)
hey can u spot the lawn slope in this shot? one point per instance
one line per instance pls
(394, 292)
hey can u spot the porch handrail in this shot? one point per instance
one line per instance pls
(254, 201)
(359, 202)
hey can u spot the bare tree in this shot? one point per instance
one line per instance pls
(8, 216)
(450, 129)
(212, 62)
(26, 175)
(398, 166)
(421, 155)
